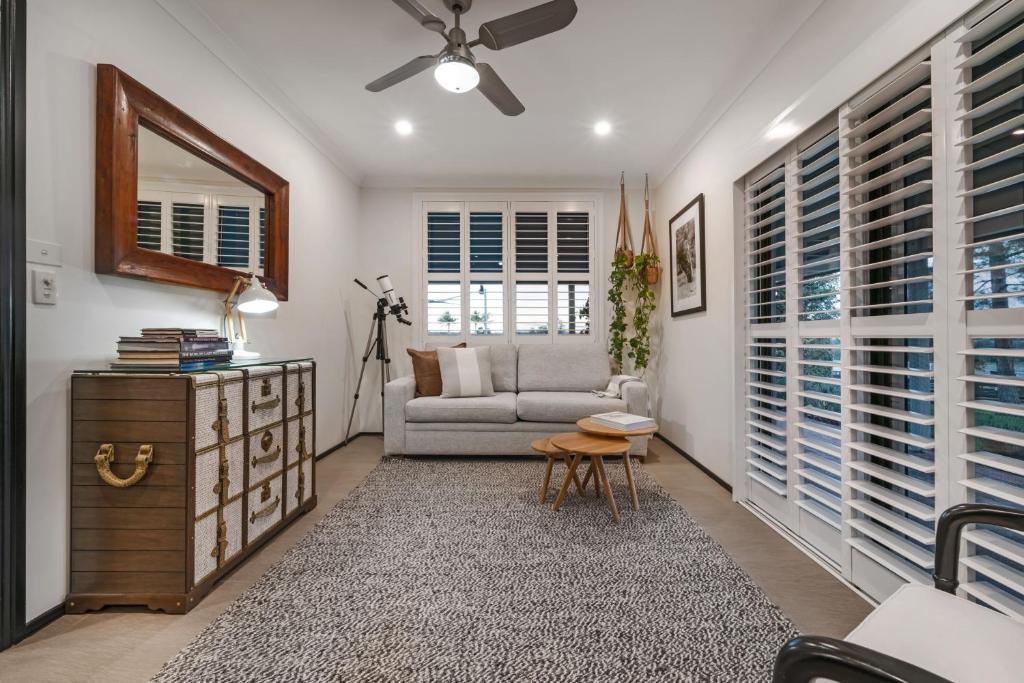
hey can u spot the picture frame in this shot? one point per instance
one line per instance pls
(687, 272)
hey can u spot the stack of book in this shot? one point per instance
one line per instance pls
(623, 421)
(172, 348)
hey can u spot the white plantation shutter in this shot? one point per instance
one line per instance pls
(532, 308)
(573, 306)
(766, 414)
(444, 308)
(486, 305)
(531, 241)
(766, 248)
(817, 185)
(573, 241)
(987, 170)
(233, 236)
(887, 161)
(148, 229)
(188, 224)
(444, 242)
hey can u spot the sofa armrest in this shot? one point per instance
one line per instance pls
(810, 658)
(397, 393)
(637, 397)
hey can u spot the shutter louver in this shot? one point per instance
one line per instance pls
(532, 308)
(573, 308)
(817, 220)
(995, 437)
(485, 242)
(892, 453)
(486, 306)
(889, 216)
(531, 242)
(818, 447)
(263, 235)
(147, 230)
(766, 414)
(766, 248)
(188, 230)
(573, 241)
(444, 242)
(233, 236)
(444, 308)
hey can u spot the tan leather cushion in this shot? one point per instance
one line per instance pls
(427, 370)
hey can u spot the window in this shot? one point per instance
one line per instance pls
(883, 282)
(509, 271)
(225, 230)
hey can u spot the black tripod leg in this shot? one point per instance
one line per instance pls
(370, 343)
(385, 368)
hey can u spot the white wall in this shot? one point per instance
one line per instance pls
(66, 39)
(844, 46)
(389, 243)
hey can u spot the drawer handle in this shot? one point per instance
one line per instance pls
(269, 457)
(105, 456)
(265, 512)
(266, 405)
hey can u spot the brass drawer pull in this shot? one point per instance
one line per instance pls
(266, 405)
(269, 457)
(265, 512)
(105, 456)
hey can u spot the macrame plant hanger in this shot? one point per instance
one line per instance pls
(624, 238)
(648, 247)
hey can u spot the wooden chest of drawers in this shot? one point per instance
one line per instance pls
(176, 478)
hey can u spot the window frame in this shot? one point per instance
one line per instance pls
(508, 203)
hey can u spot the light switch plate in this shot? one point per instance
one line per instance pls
(44, 287)
(46, 253)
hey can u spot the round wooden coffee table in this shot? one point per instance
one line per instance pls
(553, 453)
(580, 445)
(591, 427)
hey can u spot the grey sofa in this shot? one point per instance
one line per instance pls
(540, 390)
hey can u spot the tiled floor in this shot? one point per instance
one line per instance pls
(129, 645)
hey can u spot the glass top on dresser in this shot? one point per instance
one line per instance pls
(104, 368)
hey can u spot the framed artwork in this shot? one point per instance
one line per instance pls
(686, 259)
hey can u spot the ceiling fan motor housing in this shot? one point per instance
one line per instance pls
(458, 6)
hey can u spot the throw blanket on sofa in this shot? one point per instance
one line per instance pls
(614, 388)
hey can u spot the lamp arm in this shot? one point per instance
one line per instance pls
(229, 307)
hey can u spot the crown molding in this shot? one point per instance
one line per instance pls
(211, 36)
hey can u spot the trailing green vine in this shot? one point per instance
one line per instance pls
(619, 279)
(640, 342)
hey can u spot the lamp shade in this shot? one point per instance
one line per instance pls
(256, 298)
(456, 74)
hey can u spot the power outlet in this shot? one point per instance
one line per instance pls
(44, 287)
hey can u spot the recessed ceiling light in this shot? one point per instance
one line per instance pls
(602, 128)
(403, 127)
(1019, 131)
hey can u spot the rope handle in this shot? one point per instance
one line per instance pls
(105, 456)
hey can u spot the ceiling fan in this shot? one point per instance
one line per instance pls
(455, 67)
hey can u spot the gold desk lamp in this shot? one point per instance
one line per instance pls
(252, 298)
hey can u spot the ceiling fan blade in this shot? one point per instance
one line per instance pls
(403, 72)
(420, 13)
(494, 89)
(527, 25)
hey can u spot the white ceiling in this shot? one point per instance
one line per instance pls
(659, 70)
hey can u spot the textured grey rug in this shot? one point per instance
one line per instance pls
(450, 570)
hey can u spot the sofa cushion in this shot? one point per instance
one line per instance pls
(568, 367)
(497, 408)
(465, 373)
(562, 406)
(504, 358)
(944, 634)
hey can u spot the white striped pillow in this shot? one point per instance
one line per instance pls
(465, 372)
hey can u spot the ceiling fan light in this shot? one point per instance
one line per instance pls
(456, 74)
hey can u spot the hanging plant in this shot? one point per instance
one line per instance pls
(639, 281)
(648, 247)
(619, 281)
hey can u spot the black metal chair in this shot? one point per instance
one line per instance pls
(806, 658)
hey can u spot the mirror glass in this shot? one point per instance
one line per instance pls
(189, 208)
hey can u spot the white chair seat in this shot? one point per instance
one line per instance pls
(946, 635)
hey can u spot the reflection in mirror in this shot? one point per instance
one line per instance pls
(190, 208)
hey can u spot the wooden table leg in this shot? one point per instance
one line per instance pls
(547, 479)
(575, 477)
(629, 478)
(599, 464)
(568, 480)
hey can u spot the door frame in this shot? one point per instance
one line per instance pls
(12, 321)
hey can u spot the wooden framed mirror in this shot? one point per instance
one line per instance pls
(175, 202)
